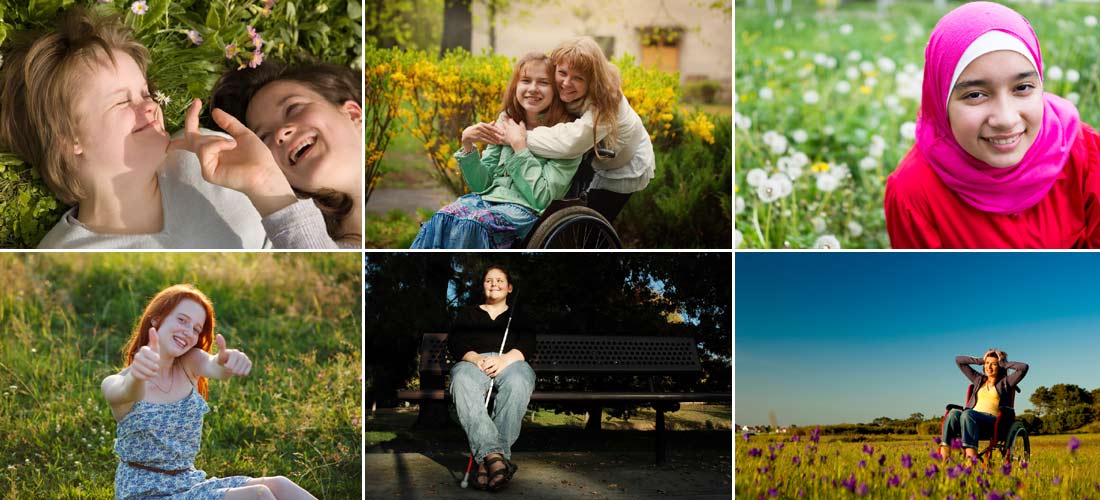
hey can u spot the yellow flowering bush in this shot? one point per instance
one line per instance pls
(385, 88)
(655, 96)
(445, 96)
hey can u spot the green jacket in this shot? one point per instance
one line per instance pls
(505, 176)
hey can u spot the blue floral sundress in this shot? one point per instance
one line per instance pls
(167, 437)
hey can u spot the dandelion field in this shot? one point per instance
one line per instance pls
(67, 316)
(768, 466)
(826, 104)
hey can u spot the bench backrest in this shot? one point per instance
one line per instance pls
(562, 354)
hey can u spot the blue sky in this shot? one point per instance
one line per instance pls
(825, 338)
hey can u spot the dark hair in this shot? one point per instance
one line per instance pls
(498, 267)
(1001, 371)
(337, 84)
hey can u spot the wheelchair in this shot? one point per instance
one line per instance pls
(1009, 438)
(569, 223)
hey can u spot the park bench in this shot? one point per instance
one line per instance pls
(585, 355)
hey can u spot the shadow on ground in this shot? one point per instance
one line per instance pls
(555, 462)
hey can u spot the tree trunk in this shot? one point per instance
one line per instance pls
(492, 26)
(457, 25)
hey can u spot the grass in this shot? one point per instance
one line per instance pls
(396, 229)
(66, 317)
(405, 165)
(769, 465)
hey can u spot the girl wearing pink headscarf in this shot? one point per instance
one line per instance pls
(998, 163)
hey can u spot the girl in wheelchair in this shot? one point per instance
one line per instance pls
(510, 185)
(992, 387)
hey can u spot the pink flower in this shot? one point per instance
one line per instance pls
(257, 40)
(257, 58)
(231, 51)
(139, 7)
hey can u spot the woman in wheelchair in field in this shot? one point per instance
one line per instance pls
(510, 185)
(991, 387)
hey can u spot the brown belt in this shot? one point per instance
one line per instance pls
(154, 469)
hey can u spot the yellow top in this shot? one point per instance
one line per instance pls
(988, 400)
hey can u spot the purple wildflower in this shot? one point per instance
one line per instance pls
(745, 436)
(1056, 481)
(937, 440)
(881, 460)
(772, 493)
(1006, 469)
(953, 472)
(956, 444)
(195, 37)
(925, 492)
(994, 496)
(815, 435)
(850, 483)
(868, 449)
(931, 470)
(801, 492)
(755, 452)
(862, 464)
(893, 481)
(906, 461)
(1074, 443)
(795, 438)
(935, 455)
(862, 490)
(795, 460)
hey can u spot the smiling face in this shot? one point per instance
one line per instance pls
(179, 331)
(120, 127)
(571, 84)
(996, 108)
(991, 367)
(535, 90)
(496, 286)
(317, 144)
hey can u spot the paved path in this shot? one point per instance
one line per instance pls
(554, 475)
(382, 201)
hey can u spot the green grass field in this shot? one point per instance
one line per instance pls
(65, 318)
(768, 466)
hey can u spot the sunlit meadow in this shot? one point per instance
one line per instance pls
(826, 106)
(811, 467)
(66, 317)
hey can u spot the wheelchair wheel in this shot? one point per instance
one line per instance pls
(575, 227)
(1019, 445)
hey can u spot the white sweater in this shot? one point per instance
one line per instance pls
(631, 168)
(198, 214)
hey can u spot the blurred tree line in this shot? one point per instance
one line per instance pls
(407, 295)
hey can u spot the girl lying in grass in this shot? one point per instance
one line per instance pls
(159, 400)
(510, 185)
(311, 119)
(77, 106)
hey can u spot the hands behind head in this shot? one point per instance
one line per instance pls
(235, 362)
(146, 363)
(243, 164)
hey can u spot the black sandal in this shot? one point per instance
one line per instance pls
(504, 473)
(477, 484)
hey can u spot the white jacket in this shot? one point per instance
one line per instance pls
(631, 168)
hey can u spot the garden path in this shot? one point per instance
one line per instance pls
(408, 200)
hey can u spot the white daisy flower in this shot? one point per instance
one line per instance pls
(818, 224)
(827, 242)
(811, 97)
(766, 94)
(908, 130)
(784, 183)
(738, 205)
(1090, 21)
(743, 122)
(868, 163)
(846, 29)
(769, 191)
(1054, 73)
(843, 87)
(800, 136)
(854, 56)
(738, 238)
(852, 73)
(1072, 76)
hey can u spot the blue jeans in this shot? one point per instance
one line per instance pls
(512, 392)
(970, 425)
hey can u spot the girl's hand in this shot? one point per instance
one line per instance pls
(235, 362)
(494, 365)
(243, 164)
(515, 134)
(487, 133)
(146, 362)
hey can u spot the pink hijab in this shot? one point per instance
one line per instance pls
(997, 190)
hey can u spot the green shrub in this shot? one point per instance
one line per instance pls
(687, 204)
(323, 30)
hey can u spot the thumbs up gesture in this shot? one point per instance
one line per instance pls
(233, 361)
(146, 362)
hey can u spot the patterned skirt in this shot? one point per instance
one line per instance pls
(472, 222)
